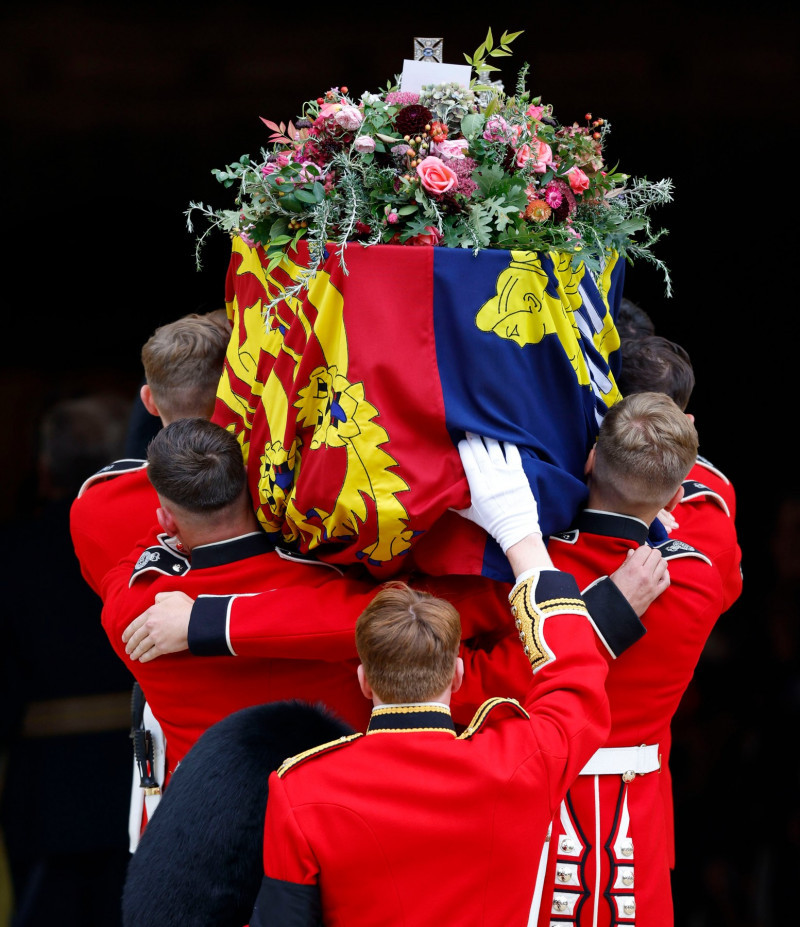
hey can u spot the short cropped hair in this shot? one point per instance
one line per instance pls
(182, 365)
(632, 321)
(656, 364)
(408, 642)
(197, 465)
(645, 449)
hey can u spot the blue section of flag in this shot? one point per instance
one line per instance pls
(528, 395)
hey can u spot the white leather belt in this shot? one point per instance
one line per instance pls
(625, 761)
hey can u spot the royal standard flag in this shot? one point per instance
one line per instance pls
(349, 395)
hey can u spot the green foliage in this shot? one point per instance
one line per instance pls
(454, 167)
(487, 49)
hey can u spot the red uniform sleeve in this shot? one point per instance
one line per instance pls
(567, 700)
(496, 670)
(289, 893)
(313, 618)
(704, 523)
(287, 854)
(122, 602)
(107, 519)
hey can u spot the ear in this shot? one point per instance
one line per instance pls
(458, 675)
(167, 521)
(690, 417)
(589, 466)
(675, 499)
(366, 688)
(146, 395)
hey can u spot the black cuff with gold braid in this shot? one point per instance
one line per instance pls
(545, 593)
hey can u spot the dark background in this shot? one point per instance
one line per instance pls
(112, 119)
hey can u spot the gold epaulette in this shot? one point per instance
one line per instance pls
(529, 615)
(298, 758)
(528, 619)
(484, 711)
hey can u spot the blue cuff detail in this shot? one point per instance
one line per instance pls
(208, 625)
(288, 904)
(616, 622)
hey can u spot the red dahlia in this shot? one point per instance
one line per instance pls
(411, 120)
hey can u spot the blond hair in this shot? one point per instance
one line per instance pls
(408, 642)
(645, 449)
(183, 364)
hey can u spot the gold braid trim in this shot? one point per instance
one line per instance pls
(483, 712)
(409, 709)
(292, 761)
(529, 615)
(412, 730)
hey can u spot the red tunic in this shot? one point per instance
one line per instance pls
(114, 509)
(411, 825)
(186, 694)
(236, 624)
(320, 623)
(705, 472)
(705, 522)
(612, 844)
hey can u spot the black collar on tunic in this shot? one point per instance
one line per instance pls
(221, 553)
(395, 718)
(609, 524)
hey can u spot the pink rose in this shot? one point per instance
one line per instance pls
(436, 177)
(578, 181)
(431, 236)
(271, 166)
(364, 144)
(538, 152)
(306, 176)
(348, 117)
(534, 112)
(496, 129)
(524, 154)
(542, 156)
(452, 149)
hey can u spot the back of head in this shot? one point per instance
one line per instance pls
(632, 321)
(197, 465)
(76, 438)
(217, 316)
(183, 364)
(408, 642)
(644, 451)
(656, 364)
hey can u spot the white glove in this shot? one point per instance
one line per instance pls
(502, 502)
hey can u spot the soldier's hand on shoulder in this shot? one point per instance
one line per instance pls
(642, 577)
(668, 520)
(163, 628)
